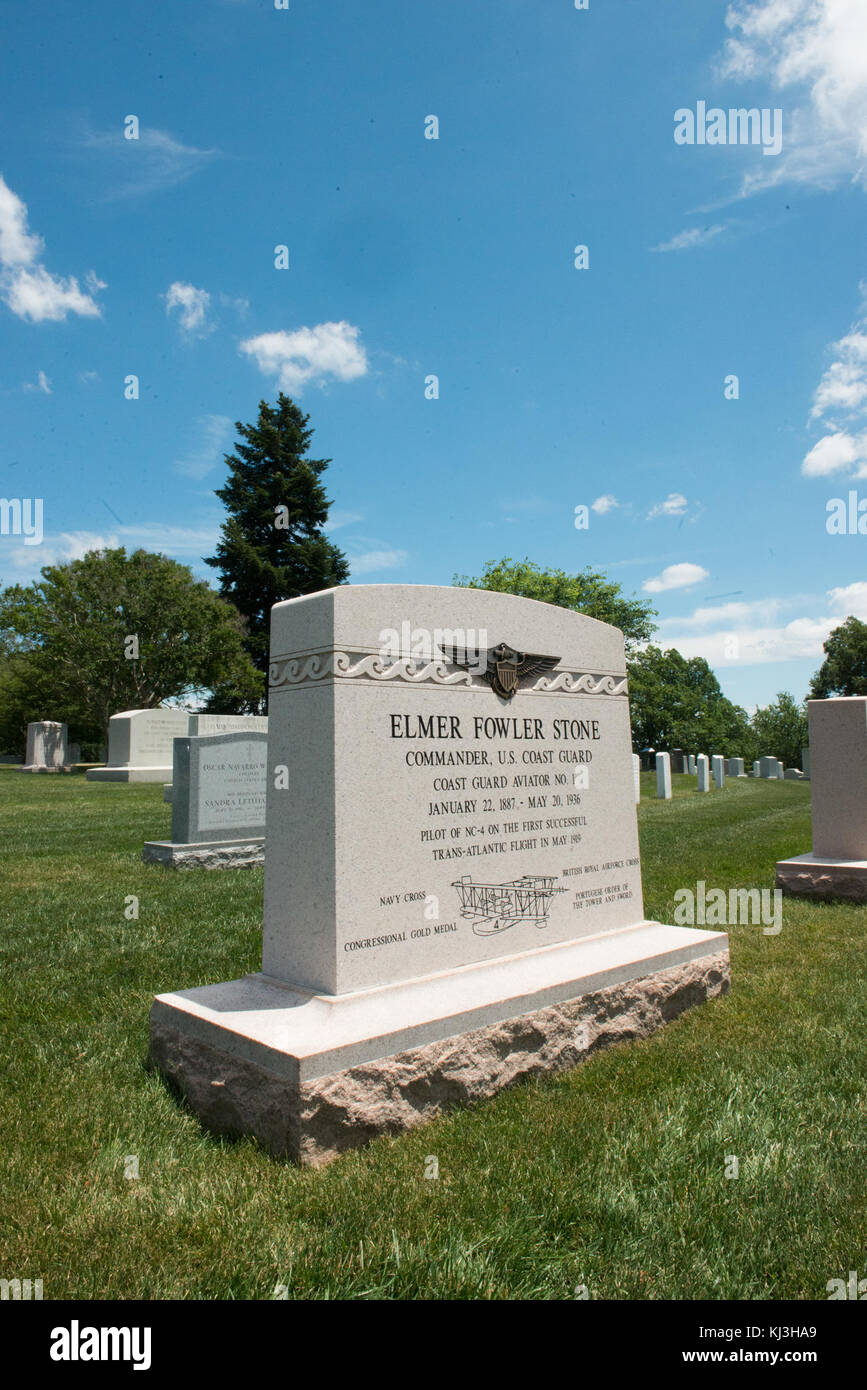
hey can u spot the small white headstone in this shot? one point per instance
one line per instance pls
(703, 765)
(719, 772)
(663, 776)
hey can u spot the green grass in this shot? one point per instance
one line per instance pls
(612, 1175)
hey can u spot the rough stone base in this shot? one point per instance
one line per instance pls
(223, 854)
(314, 1121)
(816, 876)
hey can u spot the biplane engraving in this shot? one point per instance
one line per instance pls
(494, 907)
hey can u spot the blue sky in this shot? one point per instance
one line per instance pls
(410, 257)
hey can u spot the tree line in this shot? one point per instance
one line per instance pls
(114, 631)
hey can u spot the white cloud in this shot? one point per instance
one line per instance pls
(850, 600)
(192, 306)
(692, 236)
(840, 406)
(799, 639)
(680, 576)
(29, 290)
(814, 51)
(747, 634)
(377, 560)
(169, 539)
(836, 453)
(56, 550)
(675, 504)
(337, 518)
(185, 542)
(844, 385)
(40, 384)
(308, 355)
(151, 164)
(212, 438)
(727, 615)
(604, 504)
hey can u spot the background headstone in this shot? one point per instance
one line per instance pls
(218, 803)
(691, 764)
(140, 745)
(717, 763)
(678, 760)
(703, 772)
(805, 761)
(663, 776)
(837, 865)
(201, 724)
(46, 746)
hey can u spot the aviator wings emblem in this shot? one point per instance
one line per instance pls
(506, 669)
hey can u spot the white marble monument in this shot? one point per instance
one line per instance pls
(46, 747)
(703, 772)
(201, 724)
(837, 866)
(452, 881)
(140, 745)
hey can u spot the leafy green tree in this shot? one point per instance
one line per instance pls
(585, 592)
(70, 633)
(676, 702)
(781, 729)
(844, 670)
(272, 544)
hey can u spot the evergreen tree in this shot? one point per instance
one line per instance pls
(272, 545)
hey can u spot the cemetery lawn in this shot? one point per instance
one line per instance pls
(612, 1176)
